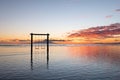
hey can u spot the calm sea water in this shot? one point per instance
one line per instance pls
(65, 62)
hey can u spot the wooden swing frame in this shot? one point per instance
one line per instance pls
(32, 34)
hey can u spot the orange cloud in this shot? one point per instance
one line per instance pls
(14, 41)
(98, 33)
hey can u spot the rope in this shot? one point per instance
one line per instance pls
(42, 43)
(36, 44)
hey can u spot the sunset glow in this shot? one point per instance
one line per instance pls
(101, 34)
(59, 39)
(86, 21)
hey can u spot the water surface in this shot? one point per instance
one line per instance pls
(65, 62)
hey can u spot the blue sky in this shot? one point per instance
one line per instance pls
(20, 17)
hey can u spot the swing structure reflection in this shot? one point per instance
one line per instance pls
(42, 47)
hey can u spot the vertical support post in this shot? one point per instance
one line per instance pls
(47, 44)
(31, 51)
(47, 50)
(31, 43)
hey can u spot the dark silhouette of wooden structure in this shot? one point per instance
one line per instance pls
(32, 34)
(47, 44)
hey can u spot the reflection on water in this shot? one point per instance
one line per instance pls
(110, 54)
(67, 62)
(45, 51)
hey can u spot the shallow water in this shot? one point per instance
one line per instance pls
(65, 62)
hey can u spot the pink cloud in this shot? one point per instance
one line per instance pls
(109, 16)
(98, 32)
(118, 10)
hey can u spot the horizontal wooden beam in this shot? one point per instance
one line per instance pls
(38, 34)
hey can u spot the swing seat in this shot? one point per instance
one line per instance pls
(42, 47)
(37, 48)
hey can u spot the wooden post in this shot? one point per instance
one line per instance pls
(31, 51)
(47, 45)
(31, 42)
(47, 51)
(48, 42)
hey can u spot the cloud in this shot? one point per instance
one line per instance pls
(51, 41)
(99, 32)
(59, 41)
(117, 10)
(20, 40)
(15, 41)
(109, 16)
(27, 41)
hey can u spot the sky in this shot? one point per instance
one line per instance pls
(18, 18)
